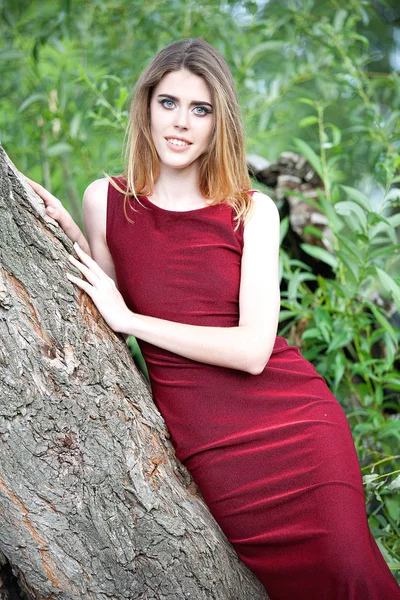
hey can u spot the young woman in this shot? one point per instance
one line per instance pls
(183, 256)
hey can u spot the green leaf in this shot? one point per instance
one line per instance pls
(381, 226)
(362, 237)
(322, 316)
(394, 220)
(137, 355)
(286, 314)
(335, 222)
(75, 125)
(336, 139)
(386, 251)
(339, 369)
(391, 346)
(295, 280)
(379, 394)
(360, 38)
(351, 249)
(339, 19)
(347, 208)
(392, 194)
(306, 121)
(351, 265)
(383, 322)
(32, 98)
(306, 101)
(369, 480)
(395, 485)
(390, 429)
(312, 333)
(321, 254)
(393, 379)
(59, 149)
(341, 339)
(390, 286)
(311, 230)
(257, 51)
(310, 155)
(358, 197)
(284, 228)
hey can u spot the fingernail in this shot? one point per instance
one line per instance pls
(76, 244)
(50, 209)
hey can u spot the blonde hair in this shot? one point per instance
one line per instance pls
(223, 175)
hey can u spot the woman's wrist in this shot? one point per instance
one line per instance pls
(82, 242)
(74, 233)
(128, 323)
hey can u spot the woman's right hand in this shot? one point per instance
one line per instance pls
(53, 205)
(56, 211)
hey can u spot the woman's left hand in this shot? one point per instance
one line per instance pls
(102, 290)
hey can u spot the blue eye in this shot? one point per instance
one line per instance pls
(167, 103)
(201, 111)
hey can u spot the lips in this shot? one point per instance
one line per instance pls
(178, 142)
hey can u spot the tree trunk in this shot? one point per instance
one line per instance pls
(93, 503)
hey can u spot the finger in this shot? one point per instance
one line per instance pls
(90, 275)
(44, 194)
(39, 189)
(86, 287)
(88, 260)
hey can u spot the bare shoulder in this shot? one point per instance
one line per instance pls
(96, 193)
(94, 207)
(95, 221)
(264, 204)
(264, 214)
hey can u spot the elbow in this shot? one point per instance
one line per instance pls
(256, 369)
(257, 363)
(255, 351)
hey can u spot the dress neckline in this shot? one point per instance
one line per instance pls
(182, 212)
(177, 212)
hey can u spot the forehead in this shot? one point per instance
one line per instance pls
(184, 85)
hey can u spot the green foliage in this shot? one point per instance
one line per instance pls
(312, 76)
(350, 337)
(137, 356)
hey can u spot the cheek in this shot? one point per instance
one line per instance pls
(203, 130)
(157, 117)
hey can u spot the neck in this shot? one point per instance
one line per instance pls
(178, 189)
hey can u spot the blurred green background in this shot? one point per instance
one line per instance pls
(318, 77)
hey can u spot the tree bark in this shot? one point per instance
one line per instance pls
(93, 503)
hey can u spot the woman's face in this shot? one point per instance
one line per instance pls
(181, 119)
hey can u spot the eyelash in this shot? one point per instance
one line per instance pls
(206, 110)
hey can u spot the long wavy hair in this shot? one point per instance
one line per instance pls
(223, 175)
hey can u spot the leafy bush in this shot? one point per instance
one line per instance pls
(348, 329)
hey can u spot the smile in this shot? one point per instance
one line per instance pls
(177, 142)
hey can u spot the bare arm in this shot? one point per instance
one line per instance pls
(94, 207)
(246, 347)
(94, 215)
(56, 210)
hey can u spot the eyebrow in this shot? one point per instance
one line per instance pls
(193, 102)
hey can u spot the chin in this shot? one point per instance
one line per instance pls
(177, 164)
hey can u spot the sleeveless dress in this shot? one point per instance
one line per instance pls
(272, 454)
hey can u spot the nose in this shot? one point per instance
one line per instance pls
(181, 118)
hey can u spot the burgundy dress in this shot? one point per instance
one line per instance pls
(272, 454)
